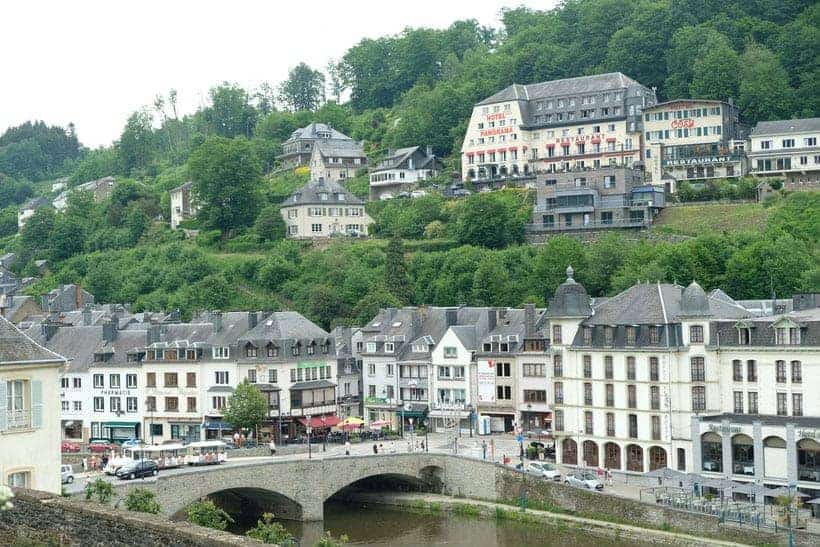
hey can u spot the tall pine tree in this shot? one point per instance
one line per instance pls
(395, 271)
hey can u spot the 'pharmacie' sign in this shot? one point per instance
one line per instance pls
(721, 428)
(116, 392)
(703, 160)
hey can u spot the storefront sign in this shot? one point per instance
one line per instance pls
(116, 392)
(486, 381)
(811, 433)
(495, 116)
(310, 364)
(703, 160)
(720, 428)
(375, 400)
(496, 131)
(682, 124)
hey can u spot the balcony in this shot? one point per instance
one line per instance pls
(18, 419)
(626, 223)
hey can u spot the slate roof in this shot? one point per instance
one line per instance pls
(340, 148)
(34, 203)
(312, 132)
(800, 421)
(76, 343)
(285, 325)
(181, 187)
(309, 195)
(401, 155)
(762, 333)
(467, 335)
(313, 384)
(564, 87)
(17, 347)
(779, 127)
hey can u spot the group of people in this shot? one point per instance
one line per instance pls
(95, 463)
(379, 447)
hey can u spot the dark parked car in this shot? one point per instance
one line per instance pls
(144, 468)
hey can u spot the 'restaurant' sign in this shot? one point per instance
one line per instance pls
(703, 160)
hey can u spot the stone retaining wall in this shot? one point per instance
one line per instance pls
(39, 514)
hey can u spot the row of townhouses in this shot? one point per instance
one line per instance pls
(601, 151)
(156, 378)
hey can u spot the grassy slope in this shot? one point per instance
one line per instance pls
(693, 220)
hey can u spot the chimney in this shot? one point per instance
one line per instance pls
(492, 319)
(3, 304)
(49, 329)
(451, 315)
(87, 315)
(529, 319)
(216, 319)
(109, 330)
(253, 319)
(429, 151)
(78, 295)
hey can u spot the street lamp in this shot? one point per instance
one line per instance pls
(309, 429)
(150, 408)
(324, 434)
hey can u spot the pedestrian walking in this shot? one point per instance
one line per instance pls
(484, 449)
(236, 439)
(272, 447)
(347, 448)
(375, 448)
(85, 464)
(422, 446)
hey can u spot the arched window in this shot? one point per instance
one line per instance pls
(657, 458)
(743, 455)
(612, 456)
(569, 452)
(591, 453)
(711, 449)
(808, 460)
(634, 458)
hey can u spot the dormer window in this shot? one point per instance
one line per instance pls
(323, 196)
(326, 347)
(556, 334)
(311, 348)
(696, 334)
(505, 347)
(487, 346)
(744, 336)
(250, 350)
(608, 335)
(272, 351)
(787, 336)
(630, 336)
(389, 347)
(340, 197)
(654, 336)
(371, 347)
(587, 336)
(296, 349)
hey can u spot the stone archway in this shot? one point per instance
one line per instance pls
(250, 503)
(612, 456)
(569, 452)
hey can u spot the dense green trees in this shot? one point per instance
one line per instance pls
(35, 151)
(226, 176)
(304, 89)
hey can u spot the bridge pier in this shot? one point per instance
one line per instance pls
(313, 510)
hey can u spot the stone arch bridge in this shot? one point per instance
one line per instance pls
(300, 487)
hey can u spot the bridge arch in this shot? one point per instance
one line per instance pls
(246, 505)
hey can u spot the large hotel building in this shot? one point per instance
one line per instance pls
(571, 124)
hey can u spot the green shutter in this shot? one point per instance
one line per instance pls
(3, 404)
(36, 403)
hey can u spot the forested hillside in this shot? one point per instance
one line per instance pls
(415, 88)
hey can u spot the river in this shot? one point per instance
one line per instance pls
(381, 526)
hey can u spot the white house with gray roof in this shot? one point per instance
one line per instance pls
(29, 415)
(322, 209)
(401, 171)
(337, 160)
(298, 149)
(787, 149)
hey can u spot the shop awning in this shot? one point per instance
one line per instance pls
(316, 421)
(610, 139)
(216, 426)
(220, 389)
(313, 384)
(120, 424)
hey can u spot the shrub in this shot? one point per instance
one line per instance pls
(268, 531)
(206, 513)
(99, 488)
(434, 230)
(466, 509)
(142, 501)
(328, 540)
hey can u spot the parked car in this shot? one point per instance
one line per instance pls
(131, 442)
(66, 474)
(69, 447)
(585, 480)
(100, 445)
(544, 469)
(142, 468)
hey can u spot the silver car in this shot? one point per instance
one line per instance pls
(66, 474)
(544, 469)
(585, 480)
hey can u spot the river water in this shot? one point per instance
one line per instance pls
(378, 526)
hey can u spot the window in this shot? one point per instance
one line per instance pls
(78, 406)
(99, 381)
(737, 370)
(809, 141)
(371, 369)
(503, 392)
(557, 366)
(221, 352)
(532, 369)
(782, 409)
(219, 402)
(450, 352)
(738, 402)
(250, 350)
(797, 404)
(556, 334)
(780, 371)
(588, 422)
(114, 381)
(371, 347)
(272, 376)
(99, 404)
(316, 228)
(272, 351)
(502, 369)
(608, 367)
(696, 334)
(633, 426)
(64, 383)
(656, 427)
(78, 383)
(610, 424)
(131, 381)
(21, 479)
(535, 396)
(698, 369)
(698, 398)
(131, 404)
(115, 404)
(630, 336)
(252, 376)
(190, 379)
(797, 374)
(191, 404)
(631, 396)
(752, 400)
(388, 369)
(588, 394)
(558, 388)
(751, 371)
(608, 336)
(654, 372)
(630, 368)
(389, 347)
(587, 336)
(151, 403)
(559, 420)
(170, 379)
(458, 373)
(654, 336)
(171, 404)
(610, 395)
(587, 366)
(654, 397)
(787, 143)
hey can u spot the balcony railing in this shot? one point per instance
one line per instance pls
(629, 223)
(18, 419)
